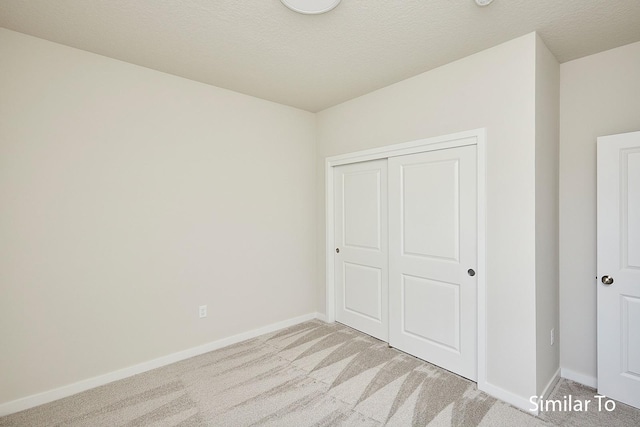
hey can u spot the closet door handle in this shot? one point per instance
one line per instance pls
(471, 272)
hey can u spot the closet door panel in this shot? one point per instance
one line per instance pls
(432, 245)
(361, 253)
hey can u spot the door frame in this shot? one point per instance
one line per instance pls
(475, 137)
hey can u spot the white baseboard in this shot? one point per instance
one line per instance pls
(578, 377)
(80, 386)
(509, 397)
(519, 401)
(545, 394)
(322, 317)
(551, 384)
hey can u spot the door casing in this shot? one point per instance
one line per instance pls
(475, 137)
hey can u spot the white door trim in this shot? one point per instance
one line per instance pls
(473, 137)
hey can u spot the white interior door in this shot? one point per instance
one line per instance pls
(432, 257)
(361, 276)
(619, 267)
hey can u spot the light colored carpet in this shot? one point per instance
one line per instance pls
(312, 374)
(623, 415)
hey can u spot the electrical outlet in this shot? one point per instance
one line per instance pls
(553, 336)
(202, 311)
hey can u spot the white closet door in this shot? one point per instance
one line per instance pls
(432, 257)
(619, 267)
(361, 276)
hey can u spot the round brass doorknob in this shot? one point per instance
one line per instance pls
(607, 280)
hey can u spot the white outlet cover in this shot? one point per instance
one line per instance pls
(311, 7)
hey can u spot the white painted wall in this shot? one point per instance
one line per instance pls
(495, 89)
(128, 198)
(599, 95)
(546, 158)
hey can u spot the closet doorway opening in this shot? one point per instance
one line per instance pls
(405, 248)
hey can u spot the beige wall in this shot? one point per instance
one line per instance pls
(493, 89)
(128, 198)
(546, 158)
(599, 95)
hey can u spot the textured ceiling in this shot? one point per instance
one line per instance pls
(261, 48)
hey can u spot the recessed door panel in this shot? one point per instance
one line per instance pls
(361, 195)
(631, 332)
(363, 290)
(361, 255)
(431, 311)
(430, 207)
(631, 208)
